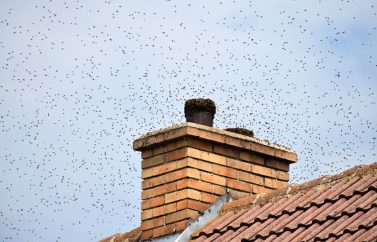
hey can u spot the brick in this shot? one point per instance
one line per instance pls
(195, 184)
(181, 225)
(169, 135)
(192, 131)
(153, 161)
(280, 184)
(152, 182)
(199, 164)
(176, 175)
(181, 215)
(200, 144)
(250, 178)
(164, 230)
(225, 171)
(152, 202)
(263, 149)
(233, 194)
(146, 153)
(291, 156)
(146, 234)
(206, 156)
(195, 153)
(204, 134)
(243, 194)
(238, 185)
(238, 164)
(236, 195)
(211, 178)
(146, 214)
(226, 151)
(159, 190)
(193, 173)
(270, 182)
(281, 175)
(171, 146)
(160, 137)
(219, 190)
(260, 189)
(232, 141)
(213, 158)
(152, 223)
(170, 228)
(166, 209)
(281, 165)
(137, 144)
(192, 204)
(175, 196)
(193, 194)
(246, 144)
(158, 170)
(159, 149)
(265, 171)
(209, 198)
(249, 157)
(176, 154)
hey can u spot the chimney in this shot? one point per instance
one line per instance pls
(189, 166)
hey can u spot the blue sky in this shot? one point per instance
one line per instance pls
(80, 80)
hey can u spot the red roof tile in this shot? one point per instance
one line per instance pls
(337, 208)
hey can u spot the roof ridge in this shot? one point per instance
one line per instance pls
(287, 191)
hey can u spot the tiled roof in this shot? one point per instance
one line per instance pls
(337, 208)
(131, 236)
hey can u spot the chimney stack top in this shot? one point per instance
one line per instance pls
(200, 111)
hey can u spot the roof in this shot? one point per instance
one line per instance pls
(342, 207)
(131, 236)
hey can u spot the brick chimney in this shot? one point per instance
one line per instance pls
(189, 166)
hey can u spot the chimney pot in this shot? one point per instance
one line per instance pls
(200, 111)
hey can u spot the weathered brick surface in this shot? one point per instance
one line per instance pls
(156, 191)
(176, 154)
(237, 185)
(170, 228)
(192, 204)
(209, 198)
(182, 194)
(146, 234)
(250, 178)
(181, 215)
(226, 151)
(153, 161)
(281, 175)
(199, 144)
(152, 202)
(261, 189)
(278, 164)
(152, 223)
(146, 153)
(253, 158)
(165, 209)
(271, 183)
(211, 178)
(265, 171)
(152, 182)
(225, 171)
(240, 165)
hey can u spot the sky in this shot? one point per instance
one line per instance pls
(80, 80)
